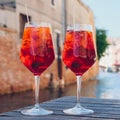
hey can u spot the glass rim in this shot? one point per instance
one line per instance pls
(81, 24)
(37, 24)
(80, 27)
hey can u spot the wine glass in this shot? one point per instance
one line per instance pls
(37, 54)
(79, 55)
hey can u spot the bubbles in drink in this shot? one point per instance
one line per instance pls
(37, 49)
(79, 54)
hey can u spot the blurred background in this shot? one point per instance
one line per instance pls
(100, 81)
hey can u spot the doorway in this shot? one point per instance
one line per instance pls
(59, 61)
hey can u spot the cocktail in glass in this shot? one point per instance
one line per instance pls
(79, 55)
(37, 55)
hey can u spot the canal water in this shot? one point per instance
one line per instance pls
(106, 85)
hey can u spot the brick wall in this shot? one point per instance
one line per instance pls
(15, 77)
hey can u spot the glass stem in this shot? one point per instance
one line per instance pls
(37, 84)
(79, 79)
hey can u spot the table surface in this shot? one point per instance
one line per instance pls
(104, 109)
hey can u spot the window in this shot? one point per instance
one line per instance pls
(23, 20)
(53, 2)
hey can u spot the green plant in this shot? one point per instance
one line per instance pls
(101, 42)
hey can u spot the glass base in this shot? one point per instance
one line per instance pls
(36, 112)
(78, 111)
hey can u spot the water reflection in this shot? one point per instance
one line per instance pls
(109, 85)
(106, 85)
(15, 101)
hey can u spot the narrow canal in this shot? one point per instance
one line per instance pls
(106, 85)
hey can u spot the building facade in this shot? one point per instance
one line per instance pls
(112, 54)
(59, 13)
